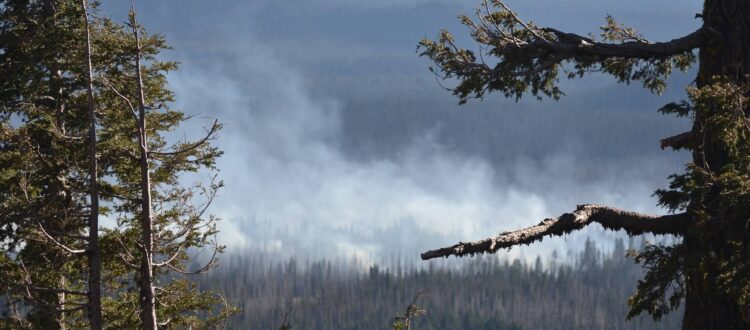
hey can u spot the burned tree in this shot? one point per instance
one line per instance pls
(709, 204)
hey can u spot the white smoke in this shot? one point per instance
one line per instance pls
(290, 189)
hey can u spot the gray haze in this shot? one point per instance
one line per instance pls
(339, 142)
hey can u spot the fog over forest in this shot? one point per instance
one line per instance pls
(339, 142)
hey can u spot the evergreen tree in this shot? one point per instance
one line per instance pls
(485, 293)
(46, 183)
(708, 269)
(44, 206)
(94, 251)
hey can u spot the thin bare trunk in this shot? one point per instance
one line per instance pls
(147, 300)
(94, 253)
(61, 300)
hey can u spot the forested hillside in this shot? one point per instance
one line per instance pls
(585, 292)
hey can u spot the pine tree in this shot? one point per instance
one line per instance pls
(47, 213)
(709, 269)
(44, 206)
(159, 221)
(94, 305)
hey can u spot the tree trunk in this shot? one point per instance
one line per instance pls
(94, 252)
(727, 55)
(147, 299)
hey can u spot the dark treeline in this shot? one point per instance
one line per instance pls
(588, 291)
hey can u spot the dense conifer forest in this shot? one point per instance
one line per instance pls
(586, 291)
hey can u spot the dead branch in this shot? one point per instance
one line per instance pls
(125, 99)
(610, 218)
(677, 142)
(170, 259)
(68, 235)
(209, 134)
(165, 322)
(211, 263)
(56, 242)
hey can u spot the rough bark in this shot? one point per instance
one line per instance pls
(724, 45)
(550, 47)
(610, 218)
(146, 276)
(575, 45)
(570, 45)
(726, 55)
(679, 141)
(94, 253)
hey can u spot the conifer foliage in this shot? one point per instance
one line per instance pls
(709, 203)
(76, 83)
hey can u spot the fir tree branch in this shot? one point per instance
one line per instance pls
(530, 58)
(577, 46)
(57, 290)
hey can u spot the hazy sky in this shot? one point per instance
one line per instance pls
(339, 141)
